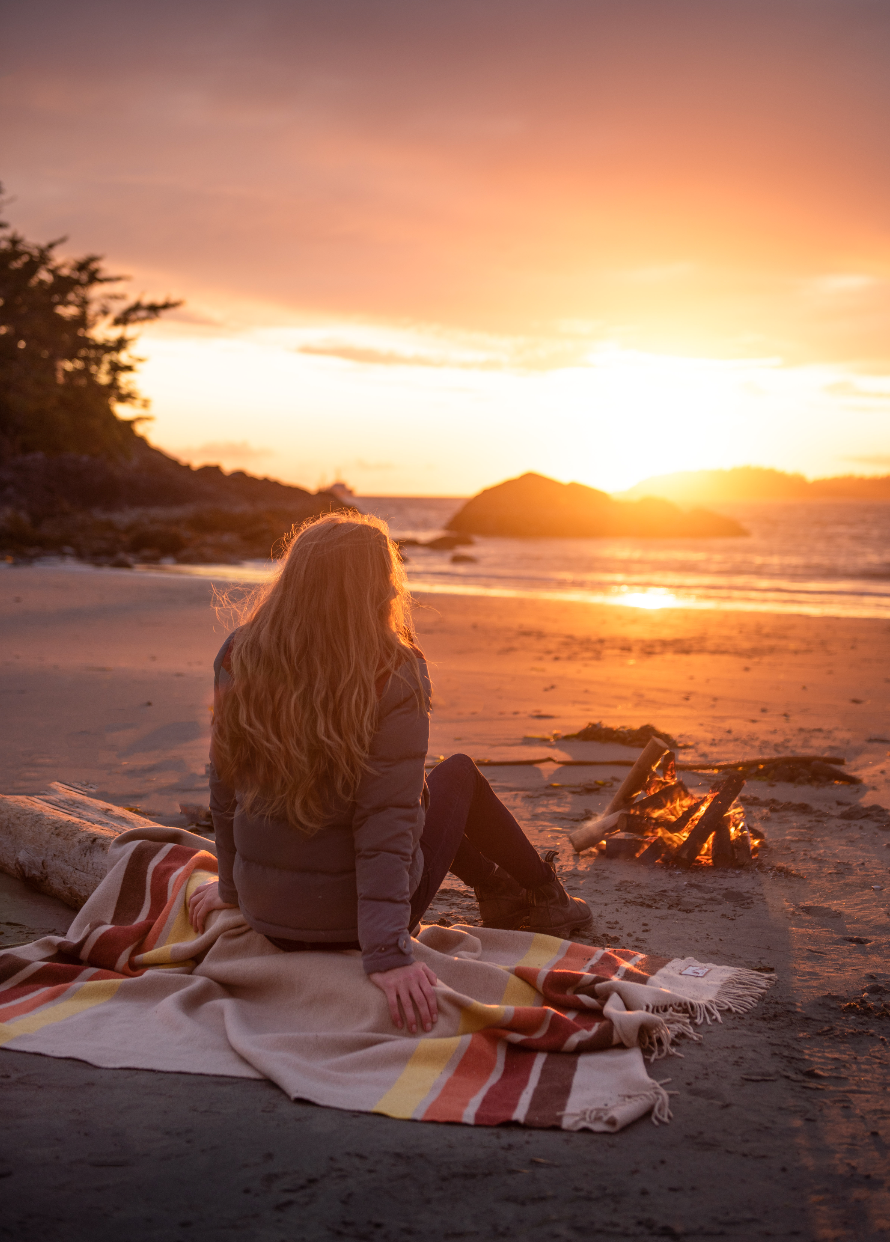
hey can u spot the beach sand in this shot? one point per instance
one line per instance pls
(782, 1121)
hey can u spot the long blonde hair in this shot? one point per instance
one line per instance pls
(293, 730)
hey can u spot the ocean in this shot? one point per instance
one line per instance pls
(821, 559)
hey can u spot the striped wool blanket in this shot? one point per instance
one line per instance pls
(532, 1029)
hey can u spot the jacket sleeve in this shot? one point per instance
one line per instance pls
(388, 821)
(222, 797)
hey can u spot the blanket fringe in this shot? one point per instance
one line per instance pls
(655, 1042)
(738, 993)
(656, 1097)
(742, 990)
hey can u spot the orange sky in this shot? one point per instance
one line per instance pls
(504, 186)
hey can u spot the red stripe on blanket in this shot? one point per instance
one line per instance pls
(45, 986)
(175, 869)
(131, 895)
(502, 1098)
(552, 1091)
(168, 876)
(12, 964)
(466, 1080)
(576, 957)
(635, 967)
(558, 987)
(548, 1030)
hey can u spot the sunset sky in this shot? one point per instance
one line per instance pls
(426, 246)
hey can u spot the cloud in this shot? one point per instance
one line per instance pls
(193, 318)
(842, 283)
(515, 354)
(850, 390)
(496, 167)
(871, 459)
(381, 357)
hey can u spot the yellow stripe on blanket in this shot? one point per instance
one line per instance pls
(88, 995)
(179, 930)
(541, 951)
(416, 1080)
(430, 1058)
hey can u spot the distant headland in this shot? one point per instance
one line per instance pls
(711, 487)
(533, 506)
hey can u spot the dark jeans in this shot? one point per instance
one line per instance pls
(468, 831)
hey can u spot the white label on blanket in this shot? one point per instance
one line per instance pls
(697, 972)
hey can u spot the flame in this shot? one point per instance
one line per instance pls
(660, 820)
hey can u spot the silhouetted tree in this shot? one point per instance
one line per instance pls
(65, 352)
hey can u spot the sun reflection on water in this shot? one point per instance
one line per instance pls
(655, 597)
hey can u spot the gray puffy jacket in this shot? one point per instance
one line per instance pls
(353, 879)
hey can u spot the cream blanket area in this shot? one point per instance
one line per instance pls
(532, 1029)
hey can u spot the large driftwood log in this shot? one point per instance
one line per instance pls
(57, 842)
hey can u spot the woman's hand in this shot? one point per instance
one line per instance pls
(202, 901)
(412, 988)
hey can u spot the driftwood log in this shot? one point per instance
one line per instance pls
(819, 764)
(57, 842)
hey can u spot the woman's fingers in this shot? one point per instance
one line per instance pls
(201, 902)
(199, 911)
(409, 995)
(195, 906)
(416, 1005)
(422, 1005)
(406, 999)
(392, 997)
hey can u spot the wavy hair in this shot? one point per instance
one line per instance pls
(293, 730)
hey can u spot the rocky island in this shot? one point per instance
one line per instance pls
(535, 506)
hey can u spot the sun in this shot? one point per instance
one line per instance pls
(641, 414)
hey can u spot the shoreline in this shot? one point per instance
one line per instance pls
(648, 598)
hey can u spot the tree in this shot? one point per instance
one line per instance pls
(66, 361)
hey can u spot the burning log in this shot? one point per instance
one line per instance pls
(719, 802)
(721, 846)
(639, 774)
(593, 832)
(622, 845)
(667, 824)
(674, 797)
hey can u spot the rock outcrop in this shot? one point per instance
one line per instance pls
(143, 508)
(535, 506)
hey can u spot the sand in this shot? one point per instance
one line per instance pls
(782, 1122)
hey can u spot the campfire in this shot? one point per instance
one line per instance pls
(656, 820)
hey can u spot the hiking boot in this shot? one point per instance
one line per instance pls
(502, 901)
(549, 908)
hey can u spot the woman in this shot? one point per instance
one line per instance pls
(328, 836)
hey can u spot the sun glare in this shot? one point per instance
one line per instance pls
(609, 420)
(651, 599)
